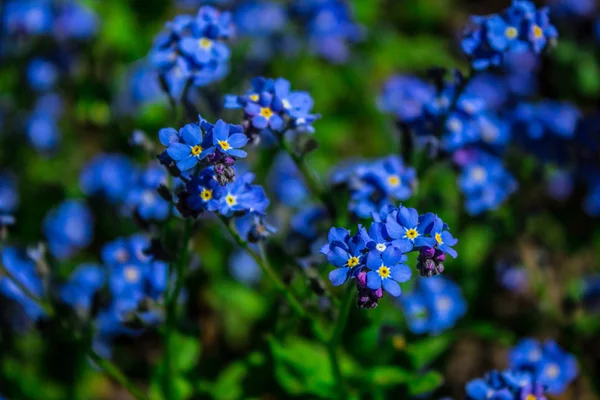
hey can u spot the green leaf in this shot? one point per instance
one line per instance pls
(303, 367)
(389, 375)
(186, 351)
(229, 383)
(421, 384)
(425, 351)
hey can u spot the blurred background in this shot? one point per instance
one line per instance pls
(76, 83)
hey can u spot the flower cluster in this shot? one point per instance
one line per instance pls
(330, 27)
(68, 228)
(547, 363)
(191, 50)
(23, 269)
(271, 105)
(200, 145)
(535, 370)
(135, 281)
(377, 256)
(433, 306)
(506, 385)
(376, 184)
(62, 19)
(519, 28)
(204, 193)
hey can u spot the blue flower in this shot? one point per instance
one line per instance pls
(549, 364)
(507, 385)
(204, 192)
(517, 29)
(244, 268)
(143, 197)
(27, 17)
(84, 282)
(265, 112)
(42, 131)
(193, 149)
(9, 196)
(41, 74)
(286, 182)
(387, 269)
(407, 226)
(346, 253)
(229, 141)
(307, 222)
(269, 103)
(260, 19)
(331, 27)
(68, 228)
(433, 306)
(132, 275)
(23, 269)
(405, 97)
(443, 237)
(75, 21)
(191, 50)
(376, 184)
(108, 175)
(485, 183)
(547, 117)
(241, 197)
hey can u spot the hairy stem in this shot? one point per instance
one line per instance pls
(336, 337)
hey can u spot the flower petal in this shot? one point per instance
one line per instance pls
(373, 280)
(392, 287)
(179, 151)
(400, 273)
(237, 140)
(192, 134)
(338, 276)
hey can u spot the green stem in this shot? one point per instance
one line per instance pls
(309, 177)
(46, 306)
(114, 372)
(336, 338)
(294, 303)
(171, 312)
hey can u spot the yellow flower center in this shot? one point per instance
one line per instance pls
(383, 271)
(537, 32)
(530, 397)
(206, 194)
(511, 32)
(266, 112)
(205, 43)
(398, 342)
(224, 144)
(231, 200)
(132, 274)
(438, 238)
(353, 262)
(412, 233)
(394, 180)
(196, 150)
(253, 97)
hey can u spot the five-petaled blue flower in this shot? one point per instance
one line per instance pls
(346, 253)
(407, 226)
(443, 237)
(193, 149)
(387, 269)
(204, 192)
(228, 139)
